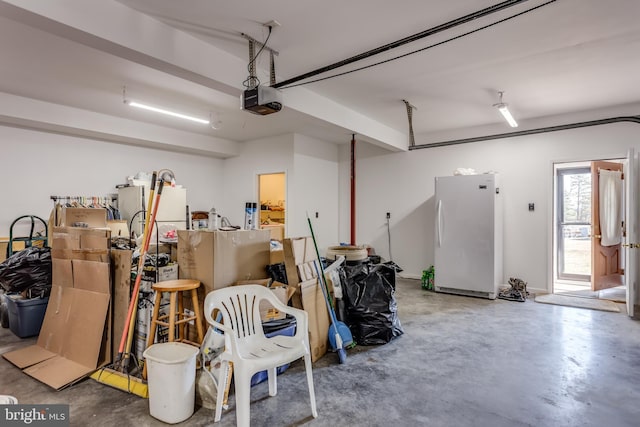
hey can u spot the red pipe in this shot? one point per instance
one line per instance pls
(353, 189)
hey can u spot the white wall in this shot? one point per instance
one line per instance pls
(240, 185)
(311, 168)
(36, 165)
(315, 189)
(403, 184)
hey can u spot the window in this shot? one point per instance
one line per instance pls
(573, 224)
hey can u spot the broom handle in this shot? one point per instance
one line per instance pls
(323, 281)
(133, 301)
(148, 231)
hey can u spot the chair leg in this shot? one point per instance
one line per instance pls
(272, 376)
(243, 398)
(312, 393)
(222, 386)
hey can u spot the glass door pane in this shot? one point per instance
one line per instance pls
(574, 224)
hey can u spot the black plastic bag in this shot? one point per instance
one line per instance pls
(29, 269)
(372, 311)
(277, 272)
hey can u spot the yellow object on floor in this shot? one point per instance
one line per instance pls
(590, 303)
(122, 381)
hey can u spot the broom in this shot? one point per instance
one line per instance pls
(117, 376)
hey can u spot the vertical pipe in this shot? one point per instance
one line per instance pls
(353, 189)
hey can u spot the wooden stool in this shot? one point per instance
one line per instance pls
(175, 289)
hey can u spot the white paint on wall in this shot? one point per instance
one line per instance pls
(315, 190)
(267, 155)
(37, 165)
(403, 184)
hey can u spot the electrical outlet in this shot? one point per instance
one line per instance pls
(388, 215)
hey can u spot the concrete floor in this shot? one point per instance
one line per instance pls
(461, 362)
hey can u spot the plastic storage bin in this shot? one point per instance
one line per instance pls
(26, 315)
(285, 327)
(171, 377)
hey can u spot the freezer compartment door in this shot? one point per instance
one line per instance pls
(465, 235)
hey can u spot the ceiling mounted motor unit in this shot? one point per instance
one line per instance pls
(262, 100)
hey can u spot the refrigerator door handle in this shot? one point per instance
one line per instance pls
(439, 222)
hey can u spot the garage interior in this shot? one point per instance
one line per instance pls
(362, 108)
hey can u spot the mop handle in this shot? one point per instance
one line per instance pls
(132, 321)
(315, 245)
(133, 301)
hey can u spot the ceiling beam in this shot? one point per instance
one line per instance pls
(38, 115)
(116, 29)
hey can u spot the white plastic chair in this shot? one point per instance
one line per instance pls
(247, 347)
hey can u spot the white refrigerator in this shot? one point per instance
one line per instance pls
(468, 235)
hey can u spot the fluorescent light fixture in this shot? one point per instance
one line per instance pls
(167, 112)
(161, 110)
(504, 110)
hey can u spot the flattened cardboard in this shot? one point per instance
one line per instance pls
(61, 272)
(27, 356)
(121, 270)
(75, 337)
(316, 306)
(58, 372)
(91, 276)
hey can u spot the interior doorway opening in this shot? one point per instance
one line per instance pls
(576, 249)
(272, 195)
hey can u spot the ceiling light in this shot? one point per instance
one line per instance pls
(162, 110)
(504, 110)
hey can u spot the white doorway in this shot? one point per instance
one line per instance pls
(576, 249)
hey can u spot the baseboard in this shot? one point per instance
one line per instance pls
(636, 312)
(410, 276)
(537, 291)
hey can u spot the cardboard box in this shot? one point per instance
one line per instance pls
(299, 258)
(315, 305)
(75, 337)
(276, 230)
(88, 217)
(299, 254)
(220, 258)
(277, 256)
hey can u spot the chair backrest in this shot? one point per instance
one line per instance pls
(239, 306)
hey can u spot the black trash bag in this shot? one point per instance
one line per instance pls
(372, 312)
(28, 269)
(278, 272)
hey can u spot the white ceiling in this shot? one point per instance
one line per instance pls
(564, 57)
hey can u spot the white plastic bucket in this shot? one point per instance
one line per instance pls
(171, 377)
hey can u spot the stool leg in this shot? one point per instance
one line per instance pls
(181, 326)
(154, 319)
(172, 316)
(196, 311)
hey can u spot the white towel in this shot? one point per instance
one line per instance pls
(610, 207)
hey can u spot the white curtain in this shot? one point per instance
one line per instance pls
(610, 207)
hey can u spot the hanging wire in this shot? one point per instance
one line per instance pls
(252, 81)
(422, 49)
